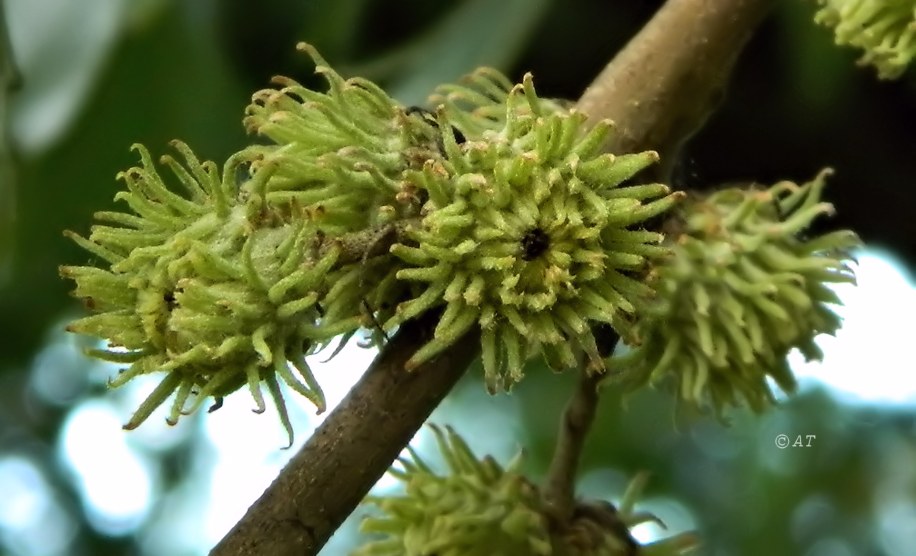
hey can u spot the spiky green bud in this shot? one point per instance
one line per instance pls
(529, 231)
(479, 508)
(341, 154)
(216, 288)
(235, 280)
(884, 29)
(743, 287)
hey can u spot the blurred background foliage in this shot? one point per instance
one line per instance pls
(87, 79)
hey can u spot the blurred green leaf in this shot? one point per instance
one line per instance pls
(168, 80)
(476, 33)
(8, 80)
(333, 25)
(60, 58)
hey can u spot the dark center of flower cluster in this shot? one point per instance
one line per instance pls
(534, 243)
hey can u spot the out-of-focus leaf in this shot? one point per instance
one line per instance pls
(820, 72)
(60, 48)
(168, 80)
(8, 79)
(476, 33)
(332, 25)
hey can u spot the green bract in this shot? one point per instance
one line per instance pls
(884, 29)
(344, 157)
(341, 154)
(742, 288)
(528, 231)
(479, 508)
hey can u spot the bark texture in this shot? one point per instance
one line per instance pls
(351, 449)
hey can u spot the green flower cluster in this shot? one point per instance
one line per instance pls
(482, 509)
(499, 209)
(743, 287)
(884, 29)
(528, 232)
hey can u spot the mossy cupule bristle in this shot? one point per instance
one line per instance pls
(529, 233)
(479, 508)
(213, 289)
(236, 279)
(885, 30)
(744, 285)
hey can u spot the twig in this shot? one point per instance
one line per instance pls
(559, 491)
(371, 242)
(658, 90)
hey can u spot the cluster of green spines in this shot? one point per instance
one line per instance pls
(479, 508)
(216, 289)
(342, 153)
(743, 287)
(527, 233)
(253, 268)
(476, 508)
(343, 156)
(884, 29)
(505, 213)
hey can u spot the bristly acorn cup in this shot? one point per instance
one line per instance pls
(479, 508)
(884, 29)
(252, 267)
(217, 289)
(744, 285)
(530, 232)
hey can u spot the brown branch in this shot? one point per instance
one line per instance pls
(559, 489)
(659, 89)
(663, 85)
(351, 449)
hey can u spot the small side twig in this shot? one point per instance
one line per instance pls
(372, 242)
(559, 488)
